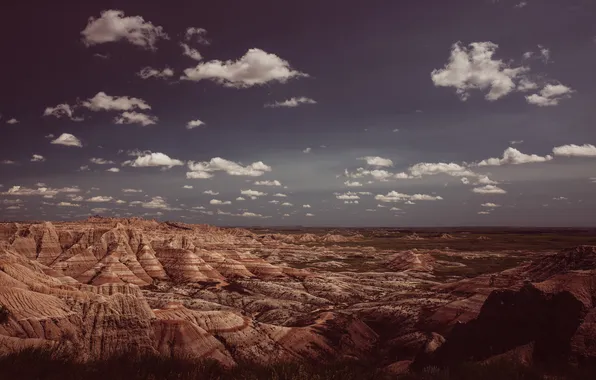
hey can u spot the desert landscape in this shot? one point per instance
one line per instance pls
(401, 300)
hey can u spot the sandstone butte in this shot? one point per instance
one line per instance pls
(106, 286)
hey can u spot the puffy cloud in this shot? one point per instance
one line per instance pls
(191, 52)
(149, 159)
(100, 161)
(240, 199)
(351, 202)
(60, 111)
(465, 181)
(84, 168)
(268, 183)
(218, 202)
(526, 85)
(307, 150)
(352, 184)
(559, 198)
(474, 68)
(452, 169)
(194, 123)
(132, 191)
(572, 150)
(113, 26)
(274, 202)
(512, 156)
(484, 180)
(37, 158)
(67, 204)
(206, 168)
(24, 191)
(394, 196)
(347, 196)
(291, 103)
(252, 193)
(377, 161)
(149, 72)
(306, 206)
(103, 102)
(187, 187)
(247, 214)
(12, 121)
(483, 212)
(135, 118)
(489, 189)
(210, 192)
(287, 204)
(490, 205)
(67, 139)
(516, 142)
(280, 195)
(309, 214)
(99, 199)
(113, 170)
(197, 34)
(378, 174)
(155, 203)
(550, 95)
(256, 67)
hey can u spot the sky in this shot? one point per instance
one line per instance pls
(313, 113)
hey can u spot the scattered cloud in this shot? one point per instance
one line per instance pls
(104, 102)
(37, 158)
(394, 196)
(194, 123)
(113, 170)
(572, 150)
(149, 72)
(291, 103)
(252, 193)
(240, 199)
(60, 111)
(67, 204)
(309, 214)
(256, 67)
(377, 161)
(113, 26)
(135, 118)
(483, 212)
(452, 169)
(155, 203)
(280, 195)
(268, 183)
(191, 52)
(550, 95)
(305, 206)
(490, 205)
(287, 204)
(196, 34)
(516, 142)
(489, 189)
(352, 184)
(210, 192)
(512, 156)
(132, 191)
(8, 162)
(99, 199)
(206, 168)
(44, 191)
(347, 196)
(67, 139)
(218, 202)
(100, 161)
(12, 121)
(149, 159)
(187, 187)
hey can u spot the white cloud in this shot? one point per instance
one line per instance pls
(306, 206)
(191, 52)
(550, 95)
(395, 209)
(135, 118)
(483, 212)
(268, 183)
(347, 196)
(256, 67)
(12, 121)
(206, 168)
(394, 196)
(67, 139)
(210, 192)
(490, 205)
(527, 85)
(103, 102)
(149, 72)
(62, 110)
(572, 150)
(274, 202)
(99, 199)
(84, 168)
(287, 204)
(187, 187)
(291, 103)
(307, 150)
(240, 199)
(218, 202)
(309, 214)
(155, 203)
(250, 215)
(516, 142)
(113, 170)
(280, 195)
(377, 161)
(8, 162)
(113, 26)
(197, 34)
(465, 181)
(378, 174)
(351, 202)
(149, 159)
(37, 158)
(484, 180)
(452, 169)
(67, 204)
(100, 161)
(132, 191)
(352, 184)
(512, 156)
(252, 193)
(559, 198)
(473, 68)
(194, 123)
(489, 189)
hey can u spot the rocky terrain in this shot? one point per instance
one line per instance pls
(108, 286)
